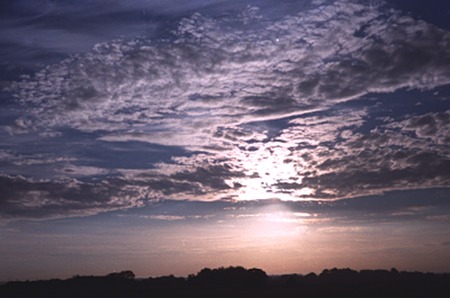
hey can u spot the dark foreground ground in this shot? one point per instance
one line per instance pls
(239, 282)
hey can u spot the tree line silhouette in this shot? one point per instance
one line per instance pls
(240, 282)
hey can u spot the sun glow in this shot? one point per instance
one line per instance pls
(271, 174)
(275, 225)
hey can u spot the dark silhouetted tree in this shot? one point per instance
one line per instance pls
(127, 274)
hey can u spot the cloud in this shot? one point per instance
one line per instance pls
(192, 181)
(37, 32)
(166, 217)
(383, 159)
(20, 126)
(432, 126)
(83, 171)
(395, 206)
(257, 107)
(36, 200)
(210, 69)
(29, 199)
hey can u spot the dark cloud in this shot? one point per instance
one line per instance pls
(29, 199)
(432, 125)
(213, 176)
(183, 181)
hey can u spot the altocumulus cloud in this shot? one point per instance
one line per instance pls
(252, 99)
(345, 163)
(239, 70)
(28, 198)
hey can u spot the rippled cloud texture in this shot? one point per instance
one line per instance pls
(335, 100)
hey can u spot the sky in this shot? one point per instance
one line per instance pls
(168, 136)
